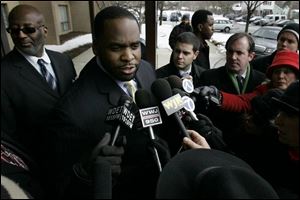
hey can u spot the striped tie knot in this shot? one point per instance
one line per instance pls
(131, 89)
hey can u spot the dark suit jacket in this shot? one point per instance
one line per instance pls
(203, 57)
(170, 69)
(80, 118)
(227, 121)
(27, 99)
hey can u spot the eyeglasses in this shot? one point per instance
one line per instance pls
(26, 30)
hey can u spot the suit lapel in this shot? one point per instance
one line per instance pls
(104, 83)
(143, 79)
(29, 73)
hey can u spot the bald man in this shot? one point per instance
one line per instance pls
(32, 79)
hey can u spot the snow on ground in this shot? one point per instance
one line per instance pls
(72, 44)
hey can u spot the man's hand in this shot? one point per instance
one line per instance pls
(196, 141)
(110, 154)
(210, 93)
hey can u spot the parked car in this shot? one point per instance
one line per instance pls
(231, 16)
(164, 17)
(252, 19)
(175, 16)
(223, 24)
(265, 39)
(282, 23)
(241, 18)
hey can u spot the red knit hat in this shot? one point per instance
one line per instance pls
(284, 58)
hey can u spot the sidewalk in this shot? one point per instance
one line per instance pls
(217, 58)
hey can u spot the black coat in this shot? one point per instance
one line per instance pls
(263, 62)
(203, 57)
(177, 30)
(27, 99)
(170, 69)
(79, 124)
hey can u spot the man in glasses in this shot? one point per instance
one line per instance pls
(32, 79)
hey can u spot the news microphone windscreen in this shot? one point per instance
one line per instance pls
(175, 81)
(161, 89)
(143, 99)
(178, 91)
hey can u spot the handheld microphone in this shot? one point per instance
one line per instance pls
(121, 115)
(186, 86)
(150, 116)
(172, 104)
(188, 103)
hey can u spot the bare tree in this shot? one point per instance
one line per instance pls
(160, 6)
(251, 7)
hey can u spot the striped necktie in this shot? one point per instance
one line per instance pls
(46, 74)
(131, 89)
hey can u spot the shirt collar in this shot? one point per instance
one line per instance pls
(244, 74)
(186, 72)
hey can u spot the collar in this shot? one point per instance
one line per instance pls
(183, 73)
(245, 73)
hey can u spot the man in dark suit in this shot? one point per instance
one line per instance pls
(182, 61)
(203, 27)
(81, 114)
(32, 79)
(236, 77)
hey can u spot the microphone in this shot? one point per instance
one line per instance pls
(150, 116)
(188, 103)
(172, 104)
(121, 115)
(188, 87)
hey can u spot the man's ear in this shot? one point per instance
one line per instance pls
(251, 55)
(196, 54)
(45, 30)
(200, 27)
(95, 47)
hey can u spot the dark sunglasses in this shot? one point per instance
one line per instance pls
(26, 30)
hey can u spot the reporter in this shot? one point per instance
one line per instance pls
(286, 175)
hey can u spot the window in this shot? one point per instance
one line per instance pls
(64, 18)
